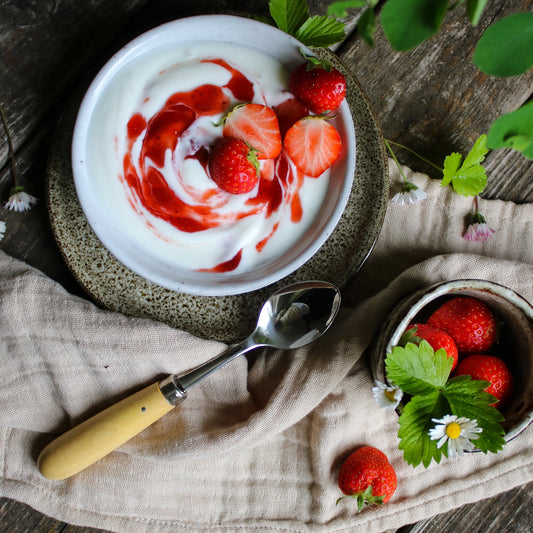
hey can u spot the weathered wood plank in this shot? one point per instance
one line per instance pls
(45, 46)
(509, 512)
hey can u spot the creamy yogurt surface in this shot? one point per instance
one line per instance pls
(148, 146)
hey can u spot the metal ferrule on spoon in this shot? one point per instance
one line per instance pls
(291, 318)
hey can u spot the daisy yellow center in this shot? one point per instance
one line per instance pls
(453, 430)
(389, 394)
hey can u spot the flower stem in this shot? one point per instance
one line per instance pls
(415, 153)
(396, 161)
(10, 147)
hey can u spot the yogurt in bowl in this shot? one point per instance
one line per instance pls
(141, 146)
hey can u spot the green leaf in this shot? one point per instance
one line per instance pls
(418, 369)
(468, 179)
(514, 130)
(339, 9)
(468, 398)
(407, 23)
(452, 163)
(506, 47)
(474, 9)
(409, 335)
(415, 423)
(320, 31)
(289, 15)
(366, 26)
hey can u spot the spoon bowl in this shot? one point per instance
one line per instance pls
(297, 315)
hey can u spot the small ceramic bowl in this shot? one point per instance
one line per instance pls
(169, 57)
(515, 346)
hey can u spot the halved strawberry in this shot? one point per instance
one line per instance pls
(313, 144)
(258, 126)
(289, 112)
(234, 166)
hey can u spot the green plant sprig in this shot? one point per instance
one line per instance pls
(467, 177)
(424, 375)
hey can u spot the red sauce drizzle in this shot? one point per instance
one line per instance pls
(228, 266)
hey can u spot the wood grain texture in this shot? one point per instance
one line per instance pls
(432, 99)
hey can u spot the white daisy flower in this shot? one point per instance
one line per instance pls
(2, 229)
(458, 432)
(387, 396)
(409, 194)
(20, 200)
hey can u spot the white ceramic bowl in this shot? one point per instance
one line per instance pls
(515, 317)
(97, 176)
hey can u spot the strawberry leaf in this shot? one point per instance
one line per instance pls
(415, 423)
(468, 398)
(506, 47)
(407, 23)
(339, 9)
(468, 178)
(289, 15)
(418, 369)
(366, 25)
(514, 130)
(320, 31)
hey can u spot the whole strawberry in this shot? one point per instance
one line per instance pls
(368, 477)
(492, 369)
(318, 85)
(437, 338)
(234, 166)
(469, 322)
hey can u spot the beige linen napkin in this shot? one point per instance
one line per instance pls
(251, 449)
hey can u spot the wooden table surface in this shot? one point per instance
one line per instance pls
(432, 99)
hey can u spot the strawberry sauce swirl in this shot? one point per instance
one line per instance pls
(191, 209)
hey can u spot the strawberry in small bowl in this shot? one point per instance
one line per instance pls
(463, 350)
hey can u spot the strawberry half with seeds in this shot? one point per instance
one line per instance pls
(318, 85)
(469, 322)
(234, 166)
(313, 144)
(437, 338)
(289, 112)
(368, 477)
(492, 369)
(257, 125)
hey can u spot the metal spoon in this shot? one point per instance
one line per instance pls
(292, 317)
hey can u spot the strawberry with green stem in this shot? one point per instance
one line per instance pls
(234, 166)
(368, 477)
(318, 85)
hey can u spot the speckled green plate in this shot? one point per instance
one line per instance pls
(227, 318)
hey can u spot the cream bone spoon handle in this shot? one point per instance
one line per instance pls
(292, 317)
